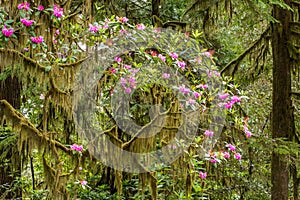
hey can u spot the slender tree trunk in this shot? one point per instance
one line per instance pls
(155, 7)
(281, 120)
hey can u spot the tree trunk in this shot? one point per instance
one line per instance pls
(281, 120)
(155, 7)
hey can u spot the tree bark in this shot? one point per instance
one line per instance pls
(281, 120)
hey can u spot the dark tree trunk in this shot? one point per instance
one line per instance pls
(155, 7)
(281, 120)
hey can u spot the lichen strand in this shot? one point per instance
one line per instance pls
(30, 138)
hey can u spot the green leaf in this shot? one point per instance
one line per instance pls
(9, 21)
(48, 69)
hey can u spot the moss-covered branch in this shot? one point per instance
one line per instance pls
(22, 124)
(232, 66)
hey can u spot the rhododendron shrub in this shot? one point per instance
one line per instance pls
(146, 93)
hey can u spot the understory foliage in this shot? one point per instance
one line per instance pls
(96, 85)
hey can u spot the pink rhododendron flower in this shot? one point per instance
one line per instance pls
(118, 59)
(25, 6)
(184, 90)
(26, 22)
(226, 154)
(106, 26)
(246, 130)
(123, 82)
(202, 175)
(208, 133)
(181, 64)
(40, 8)
(25, 49)
(140, 26)
(217, 73)
(57, 32)
(123, 31)
(57, 11)
(196, 95)
(166, 76)
(173, 147)
(163, 58)
(83, 182)
(127, 66)
(223, 96)
(93, 29)
(122, 19)
(76, 147)
(213, 160)
(209, 73)
(237, 156)
(228, 105)
(202, 86)
(7, 32)
(128, 90)
(37, 40)
(235, 99)
(131, 80)
(198, 60)
(173, 55)
(231, 147)
(191, 101)
(207, 54)
(157, 30)
(113, 70)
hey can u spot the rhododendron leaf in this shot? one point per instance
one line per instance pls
(47, 69)
(9, 21)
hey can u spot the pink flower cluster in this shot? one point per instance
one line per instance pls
(208, 133)
(118, 59)
(26, 22)
(93, 28)
(234, 99)
(76, 147)
(232, 148)
(223, 96)
(203, 175)
(57, 11)
(128, 84)
(163, 58)
(184, 90)
(37, 39)
(7, 32)
(140, 26)
(25, 5)
(210, 73)
(122, 19)
(166, 75)
(83, 182)
(196, 94)
(173, 55)
(180, 64)
(202, 86)
(40, 8)
(215, 157)
(246, 130)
